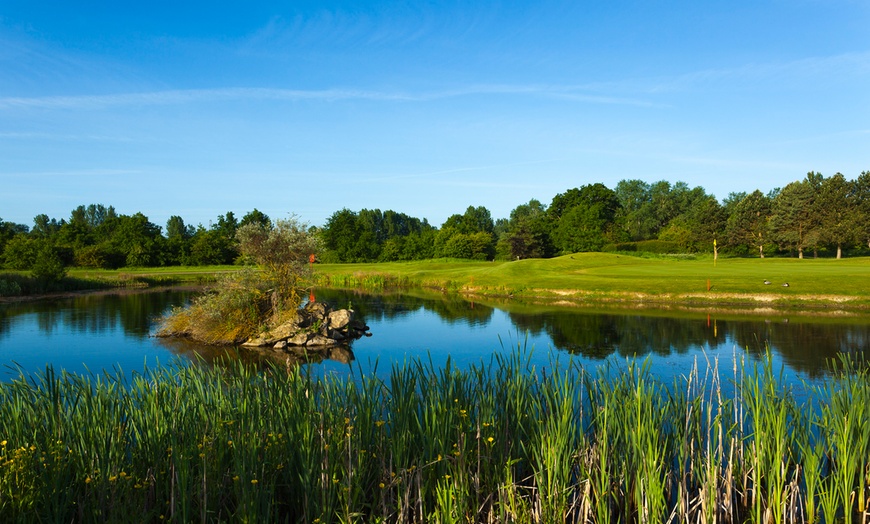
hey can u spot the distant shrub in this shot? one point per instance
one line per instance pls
(97, 257)
(662, 247)
(659, 246)
(48, 265)
(20, 252)
(621, 246)
(9, 287)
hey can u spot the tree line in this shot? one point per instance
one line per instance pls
(817, 214)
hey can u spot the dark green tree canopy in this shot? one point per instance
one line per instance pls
(826, 215)
(748, 224)
(256, 217)
(371, 235)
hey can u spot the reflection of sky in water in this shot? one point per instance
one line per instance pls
(95, 333)
(90, 333)
(423, 334)
(34, 344)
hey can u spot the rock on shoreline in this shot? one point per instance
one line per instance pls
(316, 327)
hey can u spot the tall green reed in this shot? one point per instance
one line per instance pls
(500, 441)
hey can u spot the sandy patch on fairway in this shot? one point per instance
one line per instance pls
(762, 303)
(755, 297)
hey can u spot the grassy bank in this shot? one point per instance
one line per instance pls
(498, 443)
(21, 284)
(620, 278)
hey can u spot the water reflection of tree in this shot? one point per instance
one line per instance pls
(600, 335)
(133, 312)
(806, 347)
(211, 356)
(372, 308)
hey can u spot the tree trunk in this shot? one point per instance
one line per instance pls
(839, 251)
(761, 250)
(801, 253)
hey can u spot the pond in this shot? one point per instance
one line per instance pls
(113, 331)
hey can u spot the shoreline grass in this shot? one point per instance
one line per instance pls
(21, 285)
(499, 442)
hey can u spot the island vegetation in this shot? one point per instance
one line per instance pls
(244, 303)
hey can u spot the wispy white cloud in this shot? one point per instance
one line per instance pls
(63, 137)
(818, 69)
(70, 173)
(173, 97)
(847, 65)
(630, 92)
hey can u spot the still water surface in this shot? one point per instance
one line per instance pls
(92, 333)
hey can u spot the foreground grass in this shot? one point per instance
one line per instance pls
(610, 277)
(500, 442)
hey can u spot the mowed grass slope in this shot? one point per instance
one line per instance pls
(627, 277)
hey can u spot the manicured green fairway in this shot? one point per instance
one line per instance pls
(590, 275)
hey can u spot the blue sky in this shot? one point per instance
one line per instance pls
(199, 108)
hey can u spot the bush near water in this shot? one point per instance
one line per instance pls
(498, 442)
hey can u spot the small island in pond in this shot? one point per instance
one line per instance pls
(263, 308)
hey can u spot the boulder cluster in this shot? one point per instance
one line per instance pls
(315, 327)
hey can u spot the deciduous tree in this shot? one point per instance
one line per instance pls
(794, 222)
(748, 222)
(283, 252)
(837, 210)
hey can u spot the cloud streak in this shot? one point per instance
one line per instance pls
(591, 93)
(846, 65)
(176, 97)
(71, 173)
